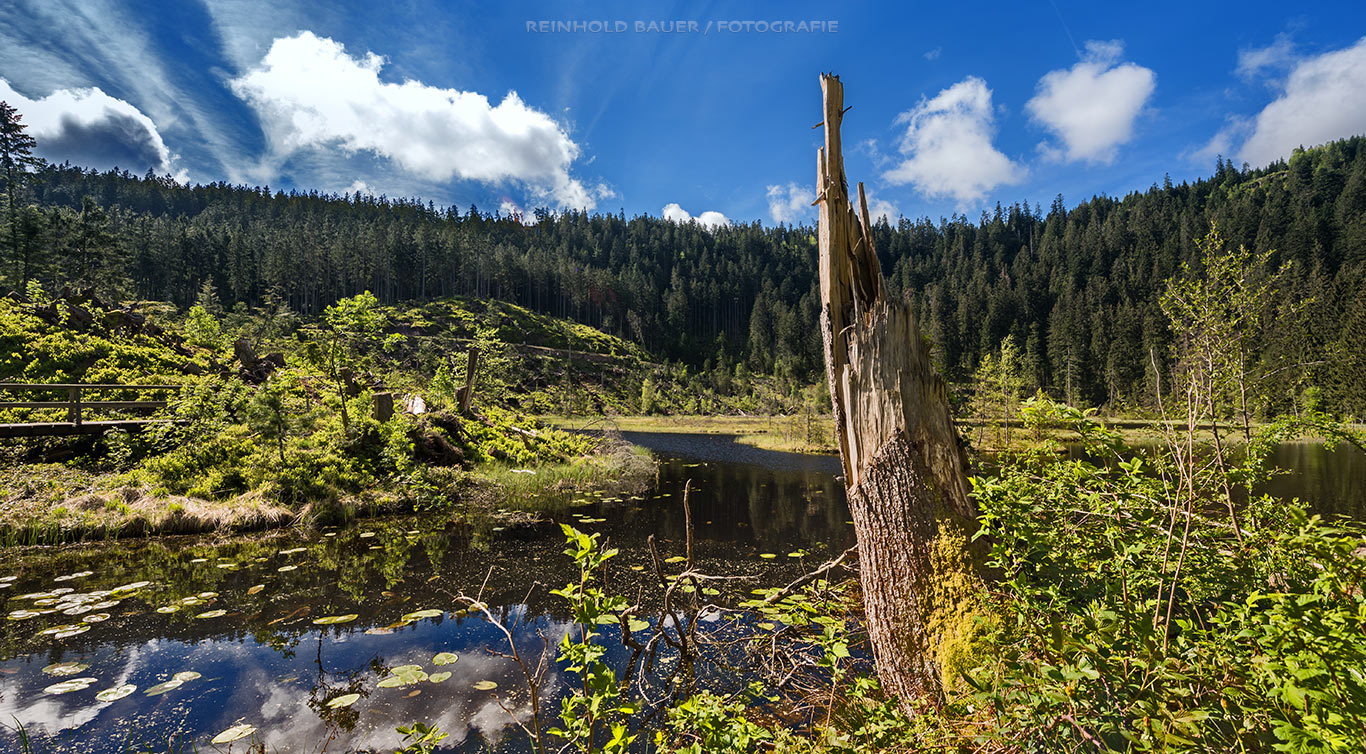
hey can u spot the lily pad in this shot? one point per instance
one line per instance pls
(255, 589)
(287, 568)
(293, 550)
(66, 687)
(345, 700)
(71, 632)
(445, 658)
(168, 609)
(23, 614)
(234, 733)
(390, 682)
(767, 555)
(334, 619)
(421, 614)
(485, 685)
(439, 677)
(379, 631)
(675, 559)
(116, 693)
(162, 688)
(212, 614)
(186, 675)
(96, 618)
(65, 668)
(366, 534)
(133, 587)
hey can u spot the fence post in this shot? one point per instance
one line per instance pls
(73, 411)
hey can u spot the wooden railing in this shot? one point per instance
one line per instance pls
(76, 406)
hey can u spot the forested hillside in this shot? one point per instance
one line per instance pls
(1077, 288)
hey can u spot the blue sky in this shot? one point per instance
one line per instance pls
(955, 106)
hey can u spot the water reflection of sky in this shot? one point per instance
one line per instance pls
(265, 664)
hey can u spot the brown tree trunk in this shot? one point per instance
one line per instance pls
(904, 469)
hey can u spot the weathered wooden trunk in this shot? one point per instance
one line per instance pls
(904, 468)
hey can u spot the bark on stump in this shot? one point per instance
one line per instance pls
(904, 469)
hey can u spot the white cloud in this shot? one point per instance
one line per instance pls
(359, 187)
(947, 145)
(1321, 101)
(309, 93)
(91, 129)
(710, 219)
(790, 204)
(880, 208)
(933, 55)
(1276, 56)
(1091, 107)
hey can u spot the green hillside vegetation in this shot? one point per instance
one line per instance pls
(1077, 287)
(251, 441)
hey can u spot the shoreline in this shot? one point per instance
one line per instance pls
(95, 507)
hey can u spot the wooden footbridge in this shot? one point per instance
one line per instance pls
(75, 408)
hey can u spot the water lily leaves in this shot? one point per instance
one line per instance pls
(421, 614)
(485, 685)
(293, 550)
(66, 687)
(255, 589)
(49, 631)
(199, 560)
(96, 618)
(191, 601)
(636, 624)
(439, 677)
(403, 675)
(379, 631)
(345, 700)
(105, 605)
(335, 619)
(168, 609)
(637, 568)
(767, 555)
(286, 568)
(234, 733)
(445, 658)
(65, 668)
(207, 595)
(133, 587)
(71, 632)
(76, 575)
(212, 614)
(116, 693)
(186, 675)
(675, 559)
(366, 534)
(23, 614)
(77, 610)
(162, 688)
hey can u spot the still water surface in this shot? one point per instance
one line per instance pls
(233, 618)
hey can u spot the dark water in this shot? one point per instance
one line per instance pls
(1332, 482)
(262, 661)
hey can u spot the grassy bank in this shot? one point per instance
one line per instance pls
(282, 420)
(48, 503)
(796, 434)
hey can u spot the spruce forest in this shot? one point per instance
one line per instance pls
(1076, 288)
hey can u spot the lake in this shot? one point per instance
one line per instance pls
(235, 616)
(223, 631)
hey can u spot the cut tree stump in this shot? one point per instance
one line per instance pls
(904, 468)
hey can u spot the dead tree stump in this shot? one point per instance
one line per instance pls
(904, 468)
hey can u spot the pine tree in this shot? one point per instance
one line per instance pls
(16, 159)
